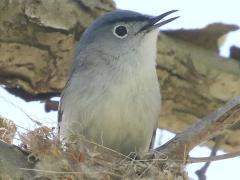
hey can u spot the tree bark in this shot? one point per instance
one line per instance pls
(37, 41)
(194, 82)
(210, 126)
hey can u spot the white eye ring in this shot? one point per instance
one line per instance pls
(120, 31)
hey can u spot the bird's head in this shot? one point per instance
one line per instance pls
(121, 31)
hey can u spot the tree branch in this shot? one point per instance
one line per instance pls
(201, 173)
(213, 158)
(179, 147)
(11, 159)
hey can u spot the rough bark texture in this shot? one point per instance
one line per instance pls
(37, 40)
(194, 82)
(37, 45)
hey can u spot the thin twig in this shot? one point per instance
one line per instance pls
(201, 173)
(106, 148)
(61, 172)
(149, 167)
(213, 158)
(20, 109)
(128, 157)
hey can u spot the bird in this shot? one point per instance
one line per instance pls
(112, 96)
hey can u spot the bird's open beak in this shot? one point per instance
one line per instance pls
(155, 22)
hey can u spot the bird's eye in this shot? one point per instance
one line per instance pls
(120, 31)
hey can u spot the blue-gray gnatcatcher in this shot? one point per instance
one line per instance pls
(113, 96)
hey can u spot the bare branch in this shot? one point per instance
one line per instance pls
(214, 158)
(203, 130)
(201, 173)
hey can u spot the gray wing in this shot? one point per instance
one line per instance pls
(60, 112)
(60, 107)
(78, 61)
(153, 139)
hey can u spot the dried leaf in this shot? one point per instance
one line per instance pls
(7, 130)
(40, 143)
(77, 156)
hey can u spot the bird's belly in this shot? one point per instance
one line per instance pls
(122, 128)
(122, 116)
(122, 119)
